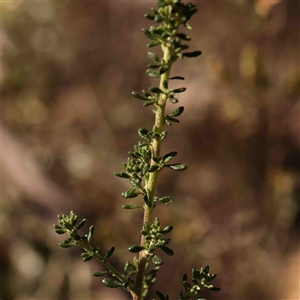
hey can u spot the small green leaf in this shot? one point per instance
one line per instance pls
(166, 230)
(147, 199)
(177, 112)
(177, 77)
(143, 133)
(163, 135)
(157, 260)
(156, 90)
(155, 66)
(192, 54)
(99, 273)
(111, 283)
(67, 243)
(177, 167)
(173, 100)
(131, 193)
(163, 69)
(156, 159)
(130, 206)
(211, 277)
(139, 96)
(153, 44)
(86, 256)
(166, 200)
(145, 170)
(188, 26)
(147, 103)
(123, 175)
(161, 296)
(169, 118)
(150, 17)
(91, 232)
(162, 242)
(187, 285)
(110, 252)
(165, 84)
(180, 90)
(136, 248)
(148, 34)
(153, 169)
(81, 224)
(169, 156)
(167, 250)
(152, 73)
(153, 56)
(183, 36)
(59, 230)
(158, 18)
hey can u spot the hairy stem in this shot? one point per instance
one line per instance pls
(150, 184)
(115, 273)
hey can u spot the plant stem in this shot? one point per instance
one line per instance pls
(150, 184)
(86, 246)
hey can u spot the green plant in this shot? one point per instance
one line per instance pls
(144, 165)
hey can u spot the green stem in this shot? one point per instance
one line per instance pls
(150, 183)
(114, 272)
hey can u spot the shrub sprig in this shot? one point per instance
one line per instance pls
(144, 164)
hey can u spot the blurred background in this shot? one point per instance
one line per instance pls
(68, 121)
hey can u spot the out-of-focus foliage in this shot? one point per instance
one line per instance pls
(68, 117)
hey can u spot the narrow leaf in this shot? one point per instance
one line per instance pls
(110, 252)
(169, 156)
(177, 112)
(153, 169)
(177, 167)
(136, 248)
(183, 36)
(138, 96)
(153, 44)
(188, 26)
(131, 193)
(147, 103)
(169, 118)
(150, 17)
(91, 232)
(192, 54)
(152, 73)
(99, 273)
(180, 90)
(81, 224)
(163, 69)
(123, 174)
(173, 100)
(166, 200)
(130, 206)
(59, 230)
(167, 229)
(161, 296)
(156, 90)
(177, 77)
(163, 135)
(153, 56)
(147, 199)
(167, 250)
(111, 283)
(148, 34)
